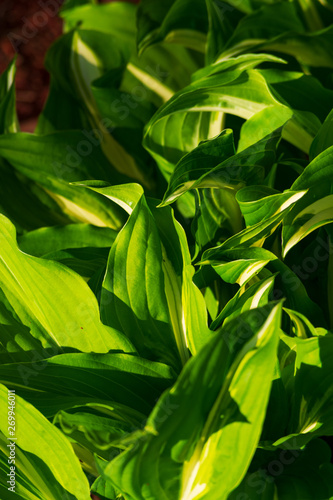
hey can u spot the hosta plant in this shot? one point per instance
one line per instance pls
(166, 269)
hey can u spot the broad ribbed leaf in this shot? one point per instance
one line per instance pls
(310, 390)
(217, 215)
(172, 461)
(125, 195)
(187, 321)
(44, 457)
(260, 203)
(170, 133)
(278, 28)
(324, 138)
(16, 341)
(186, 302)
(101, 432)
(104, 490)
(255, 28)
(236, 64)
(315, 209)
(52, 239)
(302, 327)
(256, 295)
(222, 20)
(75, 61)
(121, 378)
(269, 211)
(117, 19)
(25, 203)
(194, 114)
(54, 302)
(203, 166)
(238, 264)
(134, 294)
(176, 21)
(263, 123)
(198, 163)
(56, 160)
(228, 262)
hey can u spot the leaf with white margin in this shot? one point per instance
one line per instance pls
(315, 209)
(192, 455)
(260, 203)
(239, 264)
(256, 295)
(189, 321)
(214, 164)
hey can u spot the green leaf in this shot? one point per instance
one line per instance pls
(172, 459)
(16, 341)
(134, 290)
(104, 490)
(279, 28)
(187, 321)
(200, 161)
(235, 268)
(233, 172)
(310, 390)
(125, 195)
(54, 302)
(176, 21)
(123, 379)
(315, 208)
(217, 216)
(55, 160)
(324, 138)
(256, 295)
(76, 60)
(260, 203)
(60, 112)
(194, 114)
(311, 49)
(23, 201)
(301, 325)
(8, 117)
(263, 214)
(222, 20)
(236, 64)
(117, 19)
(45, 240)
(43, 455)
(265, 23)
(100, 432)
(170, 133)
(263, 123)
(186, 302)
(297, 90)
(237, 264)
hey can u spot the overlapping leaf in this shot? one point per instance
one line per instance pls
(46, 464)
(53, 302)
(172, 459)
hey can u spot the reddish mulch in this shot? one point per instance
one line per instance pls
(28, 28)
